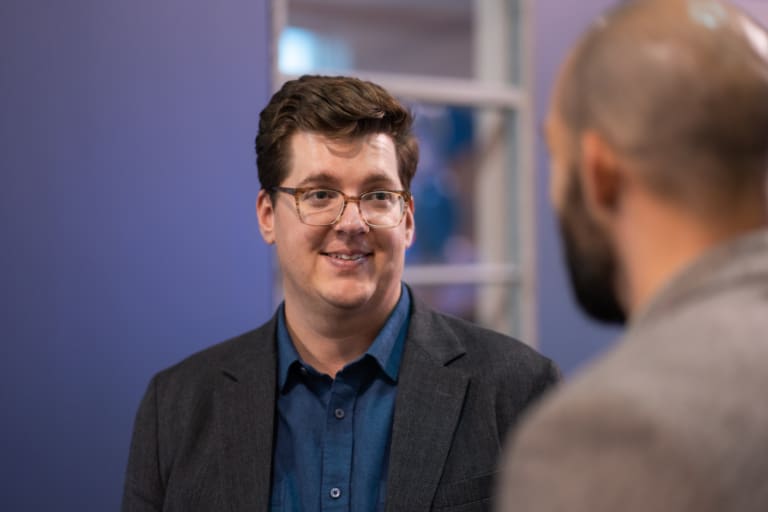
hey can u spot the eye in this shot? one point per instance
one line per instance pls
(319, 196)
(380, 196)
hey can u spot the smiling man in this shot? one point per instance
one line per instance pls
(355, 396)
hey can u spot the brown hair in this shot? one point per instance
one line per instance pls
(335, 107)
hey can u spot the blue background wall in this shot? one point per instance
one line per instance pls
(128, 238)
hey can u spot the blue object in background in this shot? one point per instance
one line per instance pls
(444, 132)
(128, 232)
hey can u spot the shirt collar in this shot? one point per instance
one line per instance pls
(386, 349)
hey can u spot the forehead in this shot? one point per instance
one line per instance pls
(318, 158)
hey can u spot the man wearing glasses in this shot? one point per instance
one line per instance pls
(355, 396)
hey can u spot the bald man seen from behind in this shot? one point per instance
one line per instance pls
(658, 134)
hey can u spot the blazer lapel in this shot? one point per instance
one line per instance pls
(246, 404)
(430, 397)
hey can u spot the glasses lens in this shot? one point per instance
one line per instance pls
(382, 208)
(320, 207)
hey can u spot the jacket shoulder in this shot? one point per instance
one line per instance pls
(483, 344)
(232, 353)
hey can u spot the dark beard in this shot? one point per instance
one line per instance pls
(590, 259)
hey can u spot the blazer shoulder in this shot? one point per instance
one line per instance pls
(506, 376)
(485, 343)
(230, 354)
(483, 352)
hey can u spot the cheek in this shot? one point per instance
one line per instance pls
(391, 245)
(293, 233)
(402, 242)
(557, 187)
(295, 245)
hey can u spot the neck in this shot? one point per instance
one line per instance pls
(659, 242)
(329, 340)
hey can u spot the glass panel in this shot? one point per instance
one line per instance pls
(517, 43)
(438, 38)
(462, 187)
(466, 301)
(428, 37)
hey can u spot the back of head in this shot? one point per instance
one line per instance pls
(337, 108)
(680, 89)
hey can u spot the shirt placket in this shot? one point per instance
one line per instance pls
(338, 445)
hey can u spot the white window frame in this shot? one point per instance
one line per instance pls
(492, 90)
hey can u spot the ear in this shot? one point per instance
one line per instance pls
(602, 176)
(265, 213)
(410, 225)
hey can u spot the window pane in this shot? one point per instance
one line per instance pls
(437, 38)
(464, 189)
(427, 37)
(472, 302)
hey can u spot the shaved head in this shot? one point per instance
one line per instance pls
(662, 106)
(680, 89)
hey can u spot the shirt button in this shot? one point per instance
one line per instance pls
(339, 413)
(335, 493)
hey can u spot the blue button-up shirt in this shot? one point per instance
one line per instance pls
(333, 435)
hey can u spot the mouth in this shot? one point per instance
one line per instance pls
(344, 257)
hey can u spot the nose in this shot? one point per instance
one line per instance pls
(351, 220)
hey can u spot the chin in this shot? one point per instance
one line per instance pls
(348, 296)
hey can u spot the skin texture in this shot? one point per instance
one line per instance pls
(334, 308)
(641, 194)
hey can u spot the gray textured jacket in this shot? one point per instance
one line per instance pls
(675, 418)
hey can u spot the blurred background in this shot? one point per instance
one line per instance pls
(127, 188)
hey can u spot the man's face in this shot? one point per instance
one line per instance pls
(590, 258)
(348, 265)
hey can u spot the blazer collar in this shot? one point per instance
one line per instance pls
(429, 401)
(431, 333)
(246, 393)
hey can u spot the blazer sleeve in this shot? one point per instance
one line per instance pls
(549, 377)
(525, 380)
(144, 490)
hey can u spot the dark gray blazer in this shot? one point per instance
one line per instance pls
(203, 434)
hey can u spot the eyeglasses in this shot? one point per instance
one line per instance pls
(325, 206)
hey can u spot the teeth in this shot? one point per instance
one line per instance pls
(348, 257)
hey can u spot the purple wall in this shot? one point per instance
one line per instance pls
(565, 334)
(128, 235)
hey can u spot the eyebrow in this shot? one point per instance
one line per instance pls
(320, 178)
(381, 179)
(326, 179)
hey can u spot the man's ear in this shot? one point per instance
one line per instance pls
(602, 176)
(410, 223)
(265, 213)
